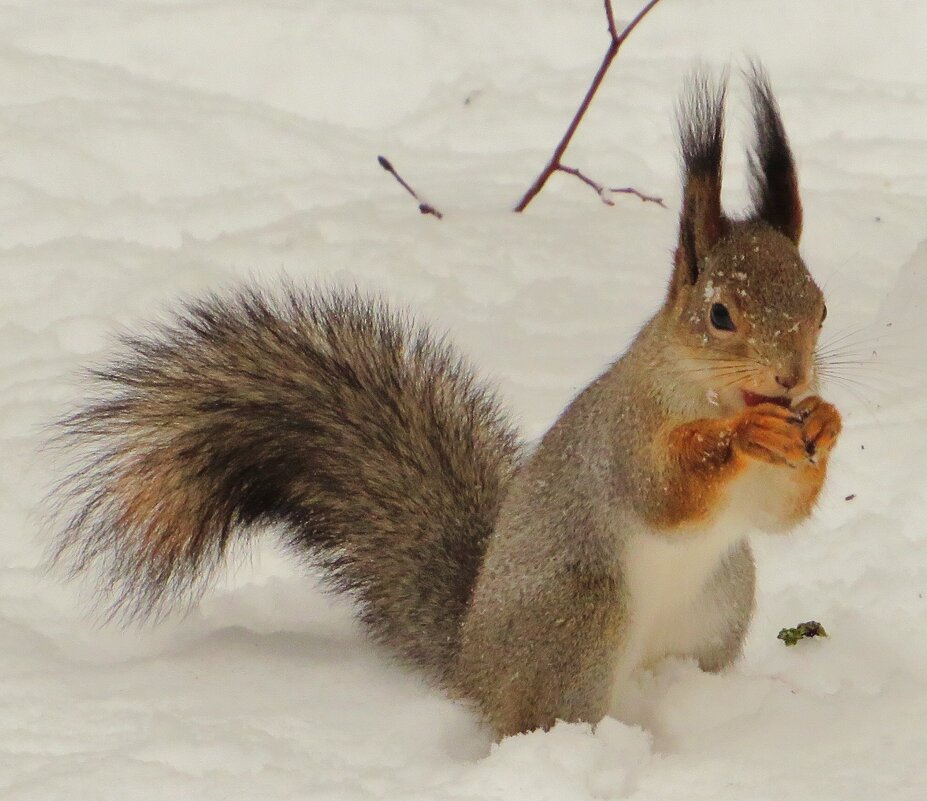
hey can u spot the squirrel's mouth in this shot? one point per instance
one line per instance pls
(753, 399)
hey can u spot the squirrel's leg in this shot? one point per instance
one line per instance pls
(551, 657)
(728, 608)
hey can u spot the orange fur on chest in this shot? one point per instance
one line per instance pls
(701, 463)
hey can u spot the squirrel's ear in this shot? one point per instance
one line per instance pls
(701, 133)
(774, 184)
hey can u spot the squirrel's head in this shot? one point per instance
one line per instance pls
(742, 310)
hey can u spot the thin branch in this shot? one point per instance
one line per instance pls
(610, 15)
(629, 28)
(605, 192)
(617, 39)
(423, 207)
(602, 191)
(630, 190)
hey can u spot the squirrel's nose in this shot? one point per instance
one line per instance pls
(787, 381)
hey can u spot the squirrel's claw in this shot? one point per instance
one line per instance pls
(821, 425)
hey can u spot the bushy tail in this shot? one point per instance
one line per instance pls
(366, 438)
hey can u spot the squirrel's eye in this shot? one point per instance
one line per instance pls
(721, 318)
(824, 314)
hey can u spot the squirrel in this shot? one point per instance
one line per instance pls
(529, 584)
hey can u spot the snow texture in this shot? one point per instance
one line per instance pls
(155, 149)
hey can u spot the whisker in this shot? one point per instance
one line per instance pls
(712, 349)
(843, 384)
(846, 353)
(713, 360)
(842, 336)
(875, 330)
(718, 368)
(730, 383)
(884, 369)
(857, 345)
(836, 352)
(861, 355)
(879, 335)
(852, 380)
(858, 365)
(882, 386)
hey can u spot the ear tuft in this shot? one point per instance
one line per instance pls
(701, 124)
(774, 181)
(701, 134)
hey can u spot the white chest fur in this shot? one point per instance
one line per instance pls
(667, 573)
(667, 578)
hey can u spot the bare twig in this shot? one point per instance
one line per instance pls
(610, 15)
(605, 192)
(602, 191)
(555, 164)
(423, 207)
(630, 190)
(617, 39)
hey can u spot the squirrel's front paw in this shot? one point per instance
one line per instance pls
(771, 434)
(820, 425)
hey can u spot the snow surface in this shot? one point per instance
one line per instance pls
(153, 149)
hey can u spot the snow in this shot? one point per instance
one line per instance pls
(155, 149)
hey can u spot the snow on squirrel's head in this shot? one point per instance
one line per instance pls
(741, 307)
